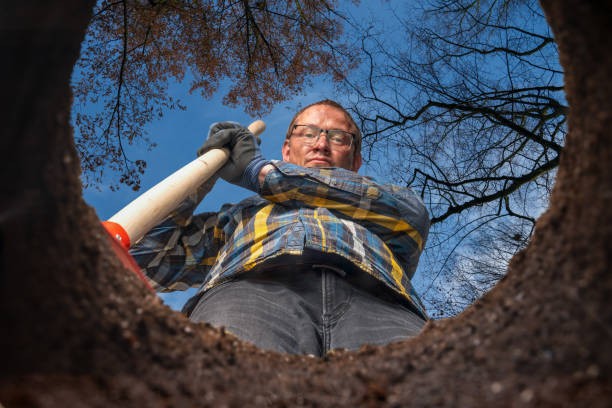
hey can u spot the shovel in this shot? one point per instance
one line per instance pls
(132, 222)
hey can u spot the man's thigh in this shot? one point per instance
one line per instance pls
(269, 314)
(375, 320)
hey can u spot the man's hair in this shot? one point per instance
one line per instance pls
(334, 104)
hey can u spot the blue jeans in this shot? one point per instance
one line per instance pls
(308, 310)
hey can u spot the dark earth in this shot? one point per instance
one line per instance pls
(77, 329)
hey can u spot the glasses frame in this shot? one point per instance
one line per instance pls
(326, 131)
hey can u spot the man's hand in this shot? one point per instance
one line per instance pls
(245, 161)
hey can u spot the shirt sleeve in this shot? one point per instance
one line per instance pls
(395, 214)
(178, 253)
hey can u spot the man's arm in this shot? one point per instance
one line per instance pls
(177, 254)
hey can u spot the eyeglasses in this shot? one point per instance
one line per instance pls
(337, 139)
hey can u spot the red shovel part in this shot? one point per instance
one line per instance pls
(120, 243)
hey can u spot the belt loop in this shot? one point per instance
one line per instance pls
(331, 268)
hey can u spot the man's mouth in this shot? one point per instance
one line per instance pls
(319, 161)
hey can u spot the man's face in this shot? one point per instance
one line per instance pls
(321, 154)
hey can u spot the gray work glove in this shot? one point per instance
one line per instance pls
(245, 161)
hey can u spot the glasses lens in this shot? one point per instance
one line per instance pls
(338, 139)
(310, 133)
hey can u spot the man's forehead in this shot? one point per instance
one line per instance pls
(325, 111)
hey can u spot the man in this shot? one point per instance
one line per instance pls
(321, 258)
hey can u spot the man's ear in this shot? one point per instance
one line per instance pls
(356, 161)
(286, 151)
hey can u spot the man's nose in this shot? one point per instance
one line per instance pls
(322, 142)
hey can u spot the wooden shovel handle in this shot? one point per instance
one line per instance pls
(154, 205)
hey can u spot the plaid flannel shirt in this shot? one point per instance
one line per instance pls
(336, 213)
